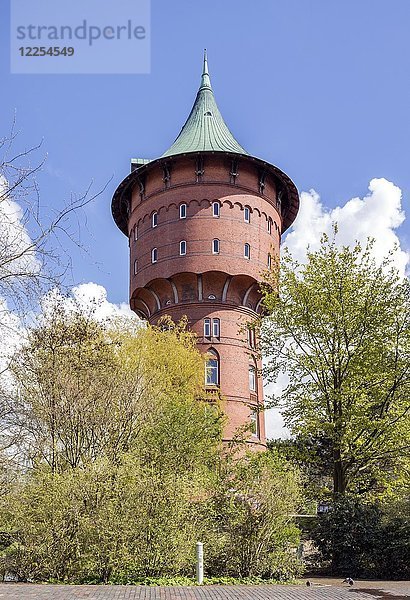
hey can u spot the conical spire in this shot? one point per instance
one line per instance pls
(205, 128)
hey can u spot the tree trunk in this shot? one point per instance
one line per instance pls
(339, 478)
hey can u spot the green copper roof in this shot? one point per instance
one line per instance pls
(205, 128)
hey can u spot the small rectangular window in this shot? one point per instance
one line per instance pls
(215, 246)
(252, 378)
(182, 248)
(207, 328)
(154, 255)
(255, 422)
(182, 211)
(251, 337)
(135, 267)
(269, 225)
(247, 214)
(215, 328)
(269, 261)
(154, 219)
(135, 233)
(247, 251)
(216, 209)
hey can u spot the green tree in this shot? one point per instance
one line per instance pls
(119, 452)
(339, 325)
(83, 389)
(365, 539)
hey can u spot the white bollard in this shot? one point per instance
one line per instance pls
(199, 563)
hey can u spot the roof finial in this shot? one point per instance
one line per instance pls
(205, 79)
(205, 69)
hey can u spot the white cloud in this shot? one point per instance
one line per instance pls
(16, 253)
(87, 294)
(11, 334)
(16, 257)
(377, 215)
(90, 298)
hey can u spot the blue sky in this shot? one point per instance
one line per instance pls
(320, 88)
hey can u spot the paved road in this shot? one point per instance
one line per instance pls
(321, 590)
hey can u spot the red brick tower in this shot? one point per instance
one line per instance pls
(203, 221)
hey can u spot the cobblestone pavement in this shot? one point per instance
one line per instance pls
(320, 590)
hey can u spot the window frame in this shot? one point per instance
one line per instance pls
(269, 226)
(135, 266)
(216, 328)
(252, 378)
(247, 251)
(207, 327)
(216, 213)
(135, 233)
(154, 255)
(269, 260)
(254, 418)
(218, 243)
(154, 219)
(183, 209)
(213, 356)
(251, 338)
(182, 253)
(247, 214)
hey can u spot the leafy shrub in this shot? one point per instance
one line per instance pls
(358, 539)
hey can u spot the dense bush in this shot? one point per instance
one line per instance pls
(253, 526)
(359, 539)
(130, 521)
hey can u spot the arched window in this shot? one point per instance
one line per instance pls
(182, 248)
(135, 232)
(269, 260)
(135, 267)
(247, 251)
(269, 225)
(154, 255)
(215, 246)
(212, 368)
(154, 219)
(247, 214)
(216, 209)
(182, 211)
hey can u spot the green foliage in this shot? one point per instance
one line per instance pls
(179, 580)
(253, 528)
(340, 328)
(359, 539)
(311, 458)
(103, 522)
(85, 389)
(127, 522)
(123, 466)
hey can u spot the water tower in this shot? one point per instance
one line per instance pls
(204, 220)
